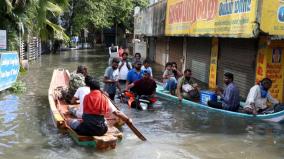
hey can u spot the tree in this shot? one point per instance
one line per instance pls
(34, 17)
(101, 13)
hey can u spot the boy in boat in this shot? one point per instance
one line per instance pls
(176, 72)
(80, 95)
(169, 80)
(96, 106)
(145, 86)
(230, 97)
(146, 66)
(258, 97)
(111, 79)
(186, 87)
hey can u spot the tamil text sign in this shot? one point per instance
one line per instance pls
(272, 17)
(9, 69)
(228, 18)
(3, 40)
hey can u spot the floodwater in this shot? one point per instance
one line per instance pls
(173, 131)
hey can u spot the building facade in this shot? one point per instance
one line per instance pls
(212, 37)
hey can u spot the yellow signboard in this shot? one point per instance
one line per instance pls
(272, 17)
(227, 18)
(213, 64)
(270, 63)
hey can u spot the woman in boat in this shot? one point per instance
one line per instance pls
(96, 106)
(169, 80)
(258, 97)
(187, 88)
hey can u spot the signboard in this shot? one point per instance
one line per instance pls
(274, 71)
(9, 69)
(272, 17)
(213, 64)
(3, 40)
(270, 63)
(227, 18)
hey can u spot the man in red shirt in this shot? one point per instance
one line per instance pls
(96, 106)
(145, 86)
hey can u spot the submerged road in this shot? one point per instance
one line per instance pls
(173, 132)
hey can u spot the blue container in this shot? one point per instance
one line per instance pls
(205, 96)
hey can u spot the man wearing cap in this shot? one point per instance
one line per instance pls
(230, 97)
(145, 86)
(134, 74)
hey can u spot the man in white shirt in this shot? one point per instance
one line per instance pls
(124, 66)
(80, 95)
(258, 97)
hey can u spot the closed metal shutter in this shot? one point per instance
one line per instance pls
(198, 57)
(238, 57)
(176, 51)
(161, 46)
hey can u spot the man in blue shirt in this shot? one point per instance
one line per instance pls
(230, 97)
(134, 74)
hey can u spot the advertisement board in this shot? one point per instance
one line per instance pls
(272, 17)
(225, 18)
(9, 69)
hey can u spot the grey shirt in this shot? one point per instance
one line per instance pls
(231, 97)
(110, 88)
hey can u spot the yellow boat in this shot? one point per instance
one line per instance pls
(59, 113)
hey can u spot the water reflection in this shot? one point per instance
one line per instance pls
(173, 131)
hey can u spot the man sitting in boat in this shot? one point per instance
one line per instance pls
(230, 97)
(258, 97)
(80, 95)
(77, 79)
(96, 106)
(145, 86)
(187, 88)
(169, 80)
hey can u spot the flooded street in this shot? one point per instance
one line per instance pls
(173, 132)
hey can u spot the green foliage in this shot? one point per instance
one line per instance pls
(103, 13)
(37, 17)
(18, 87)
(23, 71)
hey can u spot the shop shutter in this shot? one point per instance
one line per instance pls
(161, 45)
(238, 57)
(176, 49)
(198, 57)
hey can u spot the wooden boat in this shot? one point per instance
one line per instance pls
(273, 117)
(59, 113)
